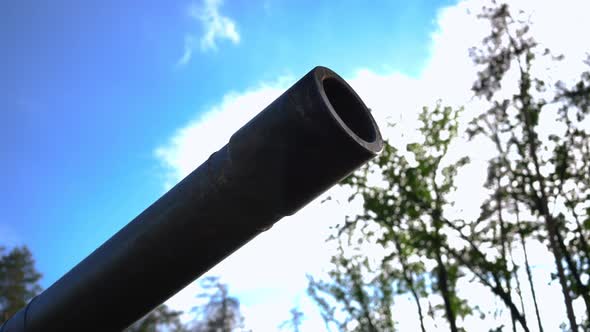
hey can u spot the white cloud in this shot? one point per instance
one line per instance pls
(194, 143)
(189, 45)
(215, 27)
(269, 272)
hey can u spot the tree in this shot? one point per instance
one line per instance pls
(539, 190)
(405, 218)
(221, 312)
(351, 301)
(294, 322)
(19, 280)
(545, 175)
(160, 319)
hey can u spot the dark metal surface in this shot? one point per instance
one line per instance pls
(308, 139)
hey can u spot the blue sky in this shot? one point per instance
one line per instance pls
(104, 105)
(89, 89)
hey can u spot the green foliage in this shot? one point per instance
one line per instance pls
(19, 280)
(408, 212)
(353, 302)
(538, 184)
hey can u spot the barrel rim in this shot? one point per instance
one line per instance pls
(374, 145)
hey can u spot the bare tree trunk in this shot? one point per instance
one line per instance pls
(366, 313)
(444, 289)
(541, 200)
(584, 291)
(557, 253)
(564, 287)
(442, 273)
(582, 238)
(528, 266)
(496, 289)
(503, 241)
(410, 282)
(443, 286)
(550, 225)
(420, 314)
(518, 286)
(531, 284)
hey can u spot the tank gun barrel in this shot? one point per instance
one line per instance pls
(308, 139)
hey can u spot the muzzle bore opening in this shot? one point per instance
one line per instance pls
(350, 109)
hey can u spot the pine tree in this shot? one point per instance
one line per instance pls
(19, 280)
